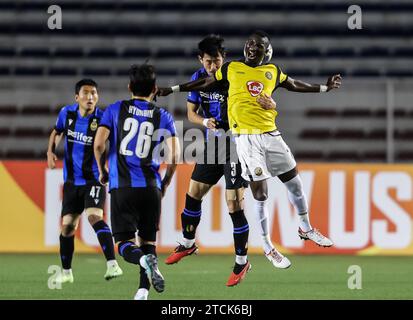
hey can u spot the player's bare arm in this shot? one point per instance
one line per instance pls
(194, 117)
(173, 151)
(291, 84)
(54, 140)
(196, 85)
(99, 148)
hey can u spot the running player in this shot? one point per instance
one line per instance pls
(81, 191)
(136, 130)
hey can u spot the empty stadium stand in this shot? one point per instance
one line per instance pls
(102, 38)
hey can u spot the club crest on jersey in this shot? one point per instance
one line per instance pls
(94, 125)
(268, 75)
(255, 88)
(258, 171)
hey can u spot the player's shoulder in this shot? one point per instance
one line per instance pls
(273, 66)
(200, 73)
(99, 112)
(69, 108)
(161, 110)
(115, 105)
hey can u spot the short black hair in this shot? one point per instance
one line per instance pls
(85, 82)
(261, 34)
(142, 79)
(212, 45)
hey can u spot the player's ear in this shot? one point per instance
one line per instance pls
(245, 49)
(129, 88)
(154, 90)
(77, 97)
(200, 58)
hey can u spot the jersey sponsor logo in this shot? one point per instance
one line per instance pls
(212, 96)
(79, 137)
(70, 122)
(94, 125)
(255, 88)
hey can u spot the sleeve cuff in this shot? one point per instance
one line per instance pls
(105, 126)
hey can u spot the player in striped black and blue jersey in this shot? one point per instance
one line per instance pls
(81, 191)
(138, 131)
(220, 160)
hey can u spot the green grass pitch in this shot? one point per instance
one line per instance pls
(24, 276)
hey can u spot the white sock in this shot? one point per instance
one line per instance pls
(299, 201)
(142, 262)
(188, 242)
(304, 222)
(241, 260)
(67, 271)
(263, 224)
(111, 263)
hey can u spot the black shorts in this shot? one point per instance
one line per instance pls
(78, 198)
(220, 159)
(135, 209)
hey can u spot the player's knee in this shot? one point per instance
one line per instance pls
(69, 230)
(93, 218)
(198, 190)
(234, 205)
(295, 187)
(260, 195)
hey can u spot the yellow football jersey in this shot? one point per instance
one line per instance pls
(246, 83)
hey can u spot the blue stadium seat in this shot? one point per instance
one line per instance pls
(102, 53)
(62, 71)
(35, 52)
(68, 52)
(374, 52)
(28, 71)
(136, 53)
(96, 72)
(340, 52)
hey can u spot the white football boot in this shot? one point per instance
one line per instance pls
(277, 259)
(315, 236)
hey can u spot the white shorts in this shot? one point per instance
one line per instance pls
(263, 155)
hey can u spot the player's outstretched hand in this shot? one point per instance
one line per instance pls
(266, 102)
(334, 82)
(51, 160)
(163, 92)
(104, 177)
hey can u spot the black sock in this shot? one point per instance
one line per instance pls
(105, 239)
(143, 280)
(130, 252)
(67, 247)
(241, 231)
(238, 268)
(190, 217)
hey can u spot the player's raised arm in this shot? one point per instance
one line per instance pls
(196, 85)
(291, 84)
(173, 152)
(54, 140)
(99, 147)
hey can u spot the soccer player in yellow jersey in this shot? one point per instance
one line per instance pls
(262, 151)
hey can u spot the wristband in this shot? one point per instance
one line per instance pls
(323, 88)
(205, 122)
(175, 88)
